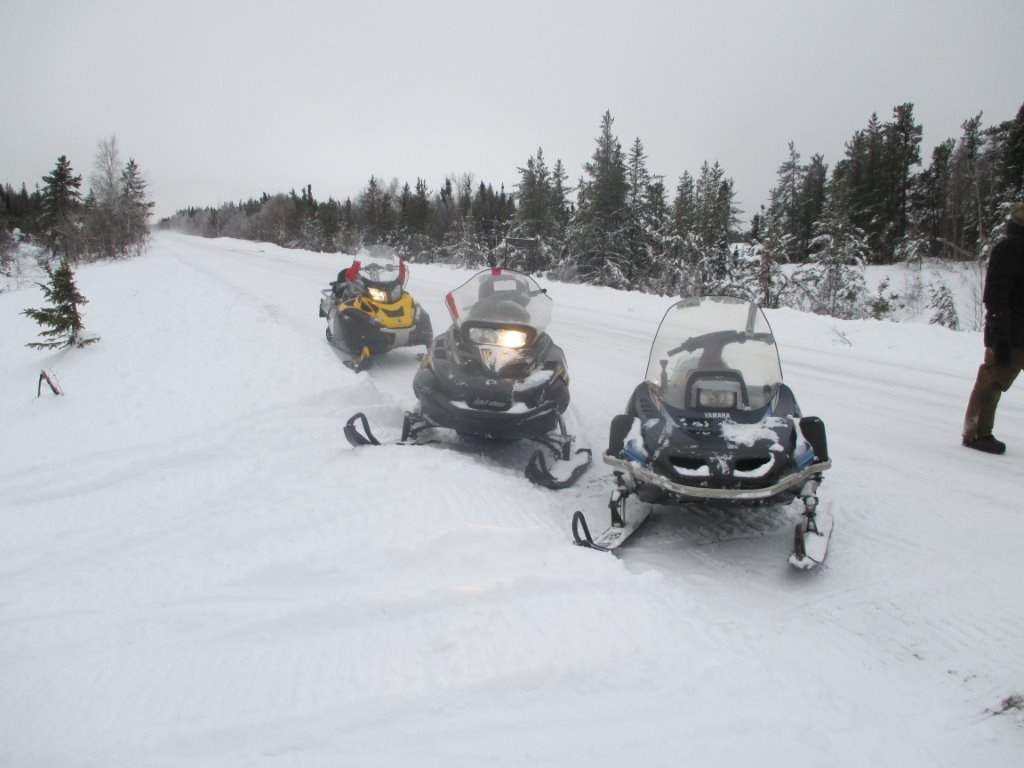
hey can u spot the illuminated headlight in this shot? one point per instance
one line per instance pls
(716, 399)
(378, 294)
(498, 337)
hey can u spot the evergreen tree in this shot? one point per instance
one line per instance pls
(1013, 159)
(942, 302)
(643, 223)
(535, 214)
(833, 283)
(871, 185)
(599, 247)
(929, 196)
(62, 318)
(761, 273)
(135, 209)
(60, 204)
(814, 195)
(785, 204)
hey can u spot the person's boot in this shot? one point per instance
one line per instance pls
(988, 444)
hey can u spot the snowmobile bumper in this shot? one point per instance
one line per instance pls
(643, 475)
(497, 425)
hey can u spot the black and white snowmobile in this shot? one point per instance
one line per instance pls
(712, 422)
(368, 310)
(495, 374)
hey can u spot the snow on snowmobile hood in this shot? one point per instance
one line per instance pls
(715, 353)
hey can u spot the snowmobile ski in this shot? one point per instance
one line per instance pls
(357, 431)
(562, 473)
(812, 534)
(612, 537)
(811, 543)
(623, 524)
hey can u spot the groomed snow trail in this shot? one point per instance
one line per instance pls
(198, 570)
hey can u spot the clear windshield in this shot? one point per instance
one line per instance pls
(499, 297)
(379, 264)
(715, 353)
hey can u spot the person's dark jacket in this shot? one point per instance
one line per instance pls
(1004, 294)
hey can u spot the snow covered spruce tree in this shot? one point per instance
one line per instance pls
(697, 257)
(833, 282)
(62, 319)
(760, 271)
(871, 186)
(536, 238)
(648, 215)
(943, 303)
(600, 253)
(61, 207)
(136, 209)
(796, 203)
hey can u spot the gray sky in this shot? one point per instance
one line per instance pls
(220, 101)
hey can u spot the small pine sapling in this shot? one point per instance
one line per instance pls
(62, 319)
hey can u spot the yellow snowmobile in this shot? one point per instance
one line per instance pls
(368, 310)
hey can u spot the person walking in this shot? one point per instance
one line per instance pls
(1004, 335)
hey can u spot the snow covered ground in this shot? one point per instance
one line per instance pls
(197, 570)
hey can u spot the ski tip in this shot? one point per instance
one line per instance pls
(581, 533)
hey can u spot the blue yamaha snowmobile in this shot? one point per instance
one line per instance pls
(712, 422)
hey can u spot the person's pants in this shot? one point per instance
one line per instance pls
(993, 379)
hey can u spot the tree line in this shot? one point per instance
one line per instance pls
(111, 220)
(619, 225)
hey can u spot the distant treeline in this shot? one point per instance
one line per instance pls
(619, 225)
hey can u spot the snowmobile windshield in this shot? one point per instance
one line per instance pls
(379, 264)
(380, 273)
(715, 353)
(500, 308)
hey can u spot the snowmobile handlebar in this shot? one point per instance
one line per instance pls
(718, 340)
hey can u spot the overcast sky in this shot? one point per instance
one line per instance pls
(220, 101)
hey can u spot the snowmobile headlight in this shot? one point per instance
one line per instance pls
(499, 337)
(513, 339)
(716, 399)
(378, 294)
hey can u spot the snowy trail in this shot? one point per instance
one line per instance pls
(198, 570)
